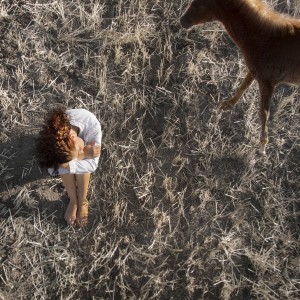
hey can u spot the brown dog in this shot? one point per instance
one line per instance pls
(269, 42)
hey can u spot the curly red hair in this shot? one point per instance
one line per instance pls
(54, 143)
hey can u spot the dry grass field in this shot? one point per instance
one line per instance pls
(182, 206)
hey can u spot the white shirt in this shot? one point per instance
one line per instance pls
(89, 131)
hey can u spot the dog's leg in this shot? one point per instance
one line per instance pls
(266, 91)
(228, 104)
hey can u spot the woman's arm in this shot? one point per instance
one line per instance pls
(83, 166)
(86, 162)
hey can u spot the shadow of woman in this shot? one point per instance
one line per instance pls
(24, 186)
(18, 164)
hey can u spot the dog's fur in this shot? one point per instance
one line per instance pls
(269, 42)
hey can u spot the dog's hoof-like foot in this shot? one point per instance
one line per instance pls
(262, 149)
(226, 105)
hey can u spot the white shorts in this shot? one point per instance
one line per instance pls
(60, 171)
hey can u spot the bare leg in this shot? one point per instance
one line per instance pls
(244, 85)
(266, 91)
(69, 182)
(83, 181)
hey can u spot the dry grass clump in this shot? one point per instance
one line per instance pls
(182, 205)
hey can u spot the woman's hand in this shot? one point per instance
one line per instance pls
(91, 150)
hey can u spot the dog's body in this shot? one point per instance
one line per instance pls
(269, 42)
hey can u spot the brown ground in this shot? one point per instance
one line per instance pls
(182, 205)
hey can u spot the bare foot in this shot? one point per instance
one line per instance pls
(70, 214)
(82, 213)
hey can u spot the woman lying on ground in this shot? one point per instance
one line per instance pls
(69, 145)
